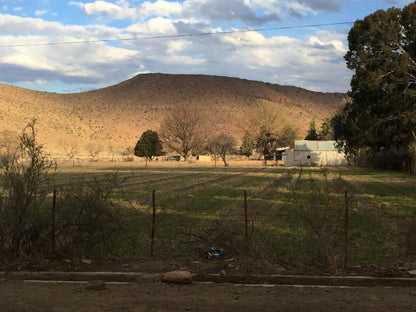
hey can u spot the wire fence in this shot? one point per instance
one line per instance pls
(292, 219)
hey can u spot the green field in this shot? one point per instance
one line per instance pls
(202, 207)
(295, 217)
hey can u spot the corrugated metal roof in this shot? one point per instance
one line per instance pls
(306, 145)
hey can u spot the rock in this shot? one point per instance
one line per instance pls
(177, 277)
(223, 273)
(96, 285)
(86, 261)
(412, 273)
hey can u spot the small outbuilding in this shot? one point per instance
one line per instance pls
(314, 153)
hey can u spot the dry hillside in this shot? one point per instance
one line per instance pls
(113, 118)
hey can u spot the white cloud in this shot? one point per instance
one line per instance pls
(159, 8)
(315, 61)
(109, 9)
(40, 12)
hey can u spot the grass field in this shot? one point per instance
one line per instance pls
(295, 218)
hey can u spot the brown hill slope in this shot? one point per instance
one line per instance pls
(113, 118)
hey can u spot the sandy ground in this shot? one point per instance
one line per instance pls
(23, 296)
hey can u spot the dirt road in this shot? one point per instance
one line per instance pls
(20, 296)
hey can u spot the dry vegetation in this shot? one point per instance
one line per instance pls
(111, 119)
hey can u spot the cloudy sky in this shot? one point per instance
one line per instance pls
(72, 46)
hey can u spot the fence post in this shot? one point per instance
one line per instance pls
(53, 232)
(245, 215)
(346, 231)
(153, 223)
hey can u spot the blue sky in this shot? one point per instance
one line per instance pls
(72, 46)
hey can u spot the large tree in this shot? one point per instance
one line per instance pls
(181, 130)
(148, 145)
(381, 115)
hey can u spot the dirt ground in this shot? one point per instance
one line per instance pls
(20, 296)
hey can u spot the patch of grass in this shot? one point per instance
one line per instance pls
(202, 207)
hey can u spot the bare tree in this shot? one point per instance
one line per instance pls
(221, 145)
(181, 131)
(71, 150)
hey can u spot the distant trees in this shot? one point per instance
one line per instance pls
(326, 132)
(248, 145)
(267, 141)
(221, 145)
(312, 133)
(181, 131)
(272, 130)
(380, 118)
(148, 145)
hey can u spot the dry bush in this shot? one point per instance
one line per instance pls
(320, 203)
(23, 221)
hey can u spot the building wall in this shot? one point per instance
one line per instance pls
(314, 153)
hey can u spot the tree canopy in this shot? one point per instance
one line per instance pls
(381, 115)
(326, 132)
(248, 145)
(148, 145)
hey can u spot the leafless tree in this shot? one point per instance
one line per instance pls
(181, 131)
(221, 145)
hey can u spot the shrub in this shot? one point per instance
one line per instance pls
(23, 220)
(89, 223)
(319, 203)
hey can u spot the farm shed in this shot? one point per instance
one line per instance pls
(314, 153)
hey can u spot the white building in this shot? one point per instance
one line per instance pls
(314, 153)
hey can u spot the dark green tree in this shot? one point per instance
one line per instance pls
(381, 114)
(148, 145)
(327, 132)
(248, 145)
(312, 133)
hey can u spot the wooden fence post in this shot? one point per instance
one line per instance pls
(53, 232)
(153, 223)
(346, 231)
(245, 215)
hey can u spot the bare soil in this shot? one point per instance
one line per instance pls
(150, 294)
(34, 296)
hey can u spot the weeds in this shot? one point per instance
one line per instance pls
(320, 203)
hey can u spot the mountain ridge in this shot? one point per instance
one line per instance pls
(113, 118)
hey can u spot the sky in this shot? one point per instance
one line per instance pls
(74, 46)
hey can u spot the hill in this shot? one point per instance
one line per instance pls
(113, 118)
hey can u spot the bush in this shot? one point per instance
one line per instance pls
(24, 224)
(89, 223)
(320, 204)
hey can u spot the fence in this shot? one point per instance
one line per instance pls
(272, 215)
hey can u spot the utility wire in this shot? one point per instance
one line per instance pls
(174, 36)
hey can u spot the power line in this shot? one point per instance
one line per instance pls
(174, 36)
